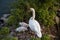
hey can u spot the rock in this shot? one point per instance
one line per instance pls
(1, 23)
(5, 17)
(57, 19)
(12, 34)
(58, 12)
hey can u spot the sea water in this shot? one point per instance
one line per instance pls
(5, 6)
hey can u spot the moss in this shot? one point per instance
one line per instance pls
(10, 38)
(4, 31)
(45, 37)
(35, 38)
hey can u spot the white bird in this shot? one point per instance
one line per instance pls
(34, 25)
(23, 27)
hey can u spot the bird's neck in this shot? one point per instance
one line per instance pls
(33, 13)
(31, 18)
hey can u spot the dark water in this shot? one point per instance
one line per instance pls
(5, 6)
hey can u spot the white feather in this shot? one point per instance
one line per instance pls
(23, 27)
(19, 29)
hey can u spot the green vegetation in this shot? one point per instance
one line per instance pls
(45, 11)
(47, 17)
(4, 34)
(4, 31)
(44, 37)
(35, 38)
(45, 14)
(10, 38)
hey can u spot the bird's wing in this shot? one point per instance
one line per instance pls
(34, 25)
(37, 26)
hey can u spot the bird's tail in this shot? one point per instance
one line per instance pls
(39, 34)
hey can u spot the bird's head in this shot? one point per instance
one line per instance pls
(32, 9)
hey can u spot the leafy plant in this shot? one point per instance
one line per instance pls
(4, 31)
(35, 38)
(45, 37)
(10, 38)
(46, 17)
(45, 11)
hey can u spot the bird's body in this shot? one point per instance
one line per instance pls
(34, 25)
